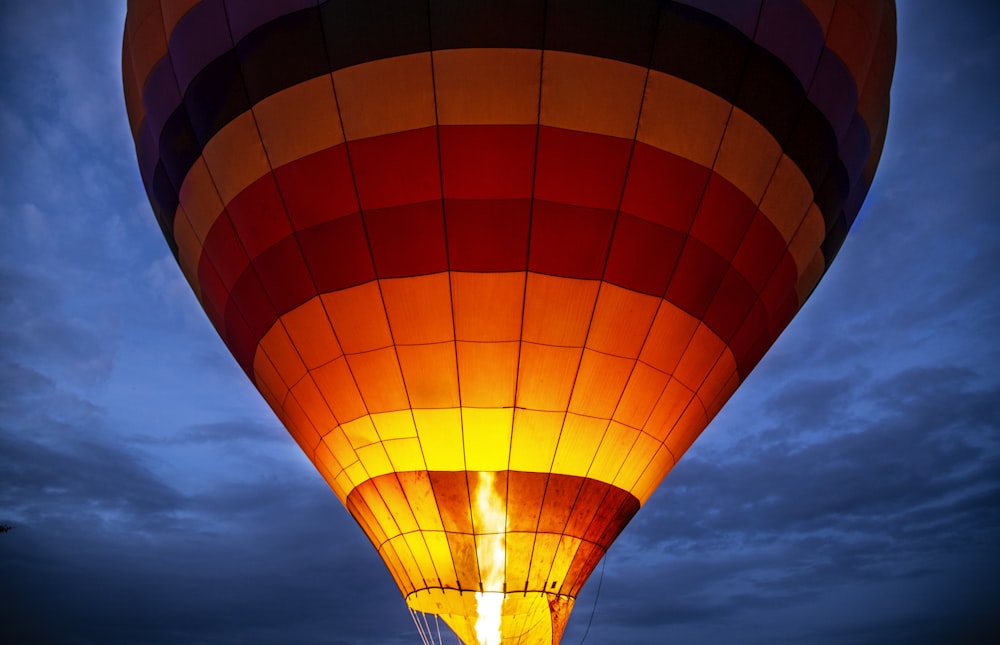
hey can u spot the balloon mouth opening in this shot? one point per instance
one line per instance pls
(498, 556)
(528, 617)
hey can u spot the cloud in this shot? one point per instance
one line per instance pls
(105, 551)
(35, 329)
(778, 526)
(110, 546)
(228, 433)
(213, 531)
(77, 477)
(850, 494)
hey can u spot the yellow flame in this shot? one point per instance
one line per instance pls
(491, 552)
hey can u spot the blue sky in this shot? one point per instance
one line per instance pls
(849, 493)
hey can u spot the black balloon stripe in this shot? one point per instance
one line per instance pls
(690, 44)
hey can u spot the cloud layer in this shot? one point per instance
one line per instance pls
(850, 492)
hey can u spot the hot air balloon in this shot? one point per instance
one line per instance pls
(496, 264)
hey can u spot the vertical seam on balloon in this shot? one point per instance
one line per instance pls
(590, 323)
(607, 254)
(137, 127)
(142, 91)
(361, 211)
(171, 241)
(819, 252)
(782, 144)
(451, 300)
(204, 257)
(649, 329)
(607, 251)
(225, 213)
(531, 208)
(860, 85)
(444, 224)
(279, 318)
(527, 273)
(318, 295)
(707, 405)
(732, 269)
(711, 173)
(873, 130)
(837, 158)
(805, 214)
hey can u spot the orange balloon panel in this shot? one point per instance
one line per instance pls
(495, 265)
(600, 402)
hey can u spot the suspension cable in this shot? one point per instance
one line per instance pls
(593, 610)
(416, 623)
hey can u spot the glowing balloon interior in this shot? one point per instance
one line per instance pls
(495, 265)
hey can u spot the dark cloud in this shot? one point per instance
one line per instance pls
(72, 476)
(39, 341)
(229, 432)
(905, 498)
(850, 494)
(287, 569)
(122, 537)
(21, 386)
(928, 442)
(105, 548)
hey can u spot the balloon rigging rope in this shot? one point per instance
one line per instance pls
(427, 628)
(416, 623)
(423, 626)
(437, 625)
(427, 636)
(413, 617)
(597, 596)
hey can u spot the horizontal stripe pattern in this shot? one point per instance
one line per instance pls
(542, 240)
(684, 244)
(762, 85)
(584, 516)
(428, 528)
(640, 377)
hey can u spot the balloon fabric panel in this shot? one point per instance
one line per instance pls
(496, 265)
(774, 94)
(487, 234)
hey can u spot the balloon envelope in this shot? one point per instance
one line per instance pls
(495, 265)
